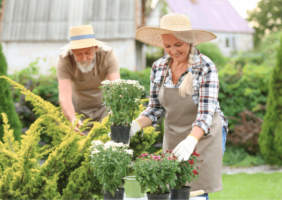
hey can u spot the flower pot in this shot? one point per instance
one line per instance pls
(132, 187)
(163, 196)
(120, 134)
(117, 195)
(182, 193)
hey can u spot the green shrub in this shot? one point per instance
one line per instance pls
(270, 138)
(142, 76)
(238, 157)
(212, 51)
(7, 104)
(243, 89)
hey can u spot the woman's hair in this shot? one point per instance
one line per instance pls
(186, 87)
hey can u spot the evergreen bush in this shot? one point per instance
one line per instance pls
(7, 104)
(270, 138)
(67, 173)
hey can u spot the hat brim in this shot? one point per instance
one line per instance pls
(152, 35)
(84, 43)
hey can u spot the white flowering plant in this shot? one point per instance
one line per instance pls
(111, 163)
(122, 99)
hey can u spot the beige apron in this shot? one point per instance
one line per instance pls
(87, 96)
(181, 112)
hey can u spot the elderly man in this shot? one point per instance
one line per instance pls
(82, 66)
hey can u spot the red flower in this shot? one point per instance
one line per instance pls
(195, 172)
(145, 154)
(202, 160)
(191, 161)
(169, 158)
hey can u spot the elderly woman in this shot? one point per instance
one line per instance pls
(184, 88)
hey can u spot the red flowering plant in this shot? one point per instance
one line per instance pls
(155, 172)
(188, 170)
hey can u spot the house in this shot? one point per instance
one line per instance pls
(217, 16)
(32, 29)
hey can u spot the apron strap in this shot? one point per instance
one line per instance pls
(166, 72)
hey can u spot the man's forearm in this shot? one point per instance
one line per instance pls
(68, 110)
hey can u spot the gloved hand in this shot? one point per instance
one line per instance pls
(76, 128)
(135, 127)
(185, 148)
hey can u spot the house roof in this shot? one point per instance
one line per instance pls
(212, 15)
(49, 20)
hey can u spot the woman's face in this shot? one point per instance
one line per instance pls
(175, 48)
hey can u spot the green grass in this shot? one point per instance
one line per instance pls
(250, 186)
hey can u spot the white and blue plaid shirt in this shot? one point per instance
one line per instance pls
(205, 85)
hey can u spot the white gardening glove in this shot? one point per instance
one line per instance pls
(135, 127)
(185, 148)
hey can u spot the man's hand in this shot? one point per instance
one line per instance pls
(76, 128)
(185, 148)
(135, 127)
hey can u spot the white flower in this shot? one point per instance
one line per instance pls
(129, 151)
(97, 142)
(109, 143)
(95, 151)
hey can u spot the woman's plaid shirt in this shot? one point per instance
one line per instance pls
(205, 85)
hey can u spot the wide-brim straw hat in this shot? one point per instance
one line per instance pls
(82, 37)
(168, 24)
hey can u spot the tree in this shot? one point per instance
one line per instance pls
(7, 104)
(266, 17)
(270, 138)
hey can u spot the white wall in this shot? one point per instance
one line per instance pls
(237, 42)
(20, 55)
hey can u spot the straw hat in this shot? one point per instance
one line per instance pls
(171, 23)
(82, 37)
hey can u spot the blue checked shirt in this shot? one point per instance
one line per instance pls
(205, 85)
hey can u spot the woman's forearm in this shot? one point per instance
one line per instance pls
(144, 121)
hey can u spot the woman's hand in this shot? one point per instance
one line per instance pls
(185, 148)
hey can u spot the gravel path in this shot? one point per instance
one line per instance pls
(251, 170)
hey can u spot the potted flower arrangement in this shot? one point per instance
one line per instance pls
(110, 162)
(187, 173)
(122, 99)
(155, 172)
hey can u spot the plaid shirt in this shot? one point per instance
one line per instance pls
(205, 85)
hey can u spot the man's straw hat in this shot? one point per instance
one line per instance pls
(82, 37)
(171, 23)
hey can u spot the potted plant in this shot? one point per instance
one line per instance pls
(122, 99)
(110, 162)
(187, 173)
(155, 172)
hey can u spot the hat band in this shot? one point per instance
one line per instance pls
(80, 37)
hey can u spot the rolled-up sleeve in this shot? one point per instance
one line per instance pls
(208, 94)
(154, 110)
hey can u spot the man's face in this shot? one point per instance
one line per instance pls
(85, 58)
(85, 54)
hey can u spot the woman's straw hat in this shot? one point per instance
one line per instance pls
(171, 23)
(82, 37)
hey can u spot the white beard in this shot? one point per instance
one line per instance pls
(86, 66)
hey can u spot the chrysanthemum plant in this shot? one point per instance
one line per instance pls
(122, 99)
(155, 172)
(188, 172)
(110, 162)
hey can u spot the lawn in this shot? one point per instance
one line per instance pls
(250, 186)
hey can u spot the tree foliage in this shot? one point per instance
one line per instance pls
(7, 104)
(266, 18)
(270, 139)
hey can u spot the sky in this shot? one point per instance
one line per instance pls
(243, 5)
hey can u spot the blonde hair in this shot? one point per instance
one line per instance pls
(186, 87)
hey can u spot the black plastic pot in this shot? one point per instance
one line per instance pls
(183, 193)
(163, 196)
(120, 134)
(117, 195)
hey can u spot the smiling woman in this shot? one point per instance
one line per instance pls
(184, 88)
